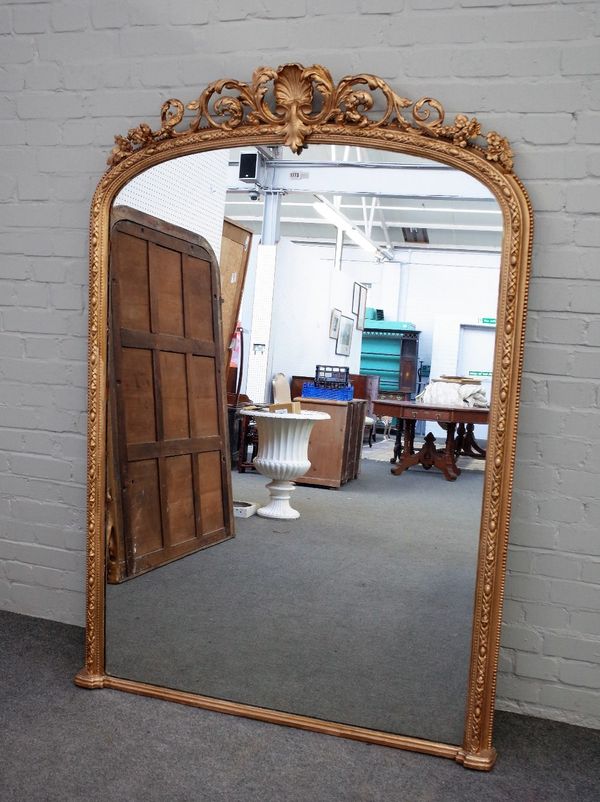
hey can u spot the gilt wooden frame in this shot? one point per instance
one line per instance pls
(294, 106)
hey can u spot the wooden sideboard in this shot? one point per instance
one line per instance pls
(334, 448)
(366, 387)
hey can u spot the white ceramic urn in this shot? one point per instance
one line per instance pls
(282, 455)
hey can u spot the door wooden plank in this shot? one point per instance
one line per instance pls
(173, 448)
(122, 539)
(166, 342)
(160, 436)
(211, 490)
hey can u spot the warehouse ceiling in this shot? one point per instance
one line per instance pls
(396, 201)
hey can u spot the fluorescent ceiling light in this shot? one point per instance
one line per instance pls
(361, 240)
(340, 221)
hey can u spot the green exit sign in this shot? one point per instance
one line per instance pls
(488, 321)
(480, 373)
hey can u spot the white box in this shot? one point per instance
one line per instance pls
(244, 509)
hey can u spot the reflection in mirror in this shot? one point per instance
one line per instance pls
(360, 610)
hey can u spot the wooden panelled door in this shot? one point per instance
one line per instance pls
(169, 483)
(233, 262)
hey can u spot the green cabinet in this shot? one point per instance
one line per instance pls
(390, 351)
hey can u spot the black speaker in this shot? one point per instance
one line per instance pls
(248, 167)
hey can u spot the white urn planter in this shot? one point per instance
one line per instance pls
(282, 455)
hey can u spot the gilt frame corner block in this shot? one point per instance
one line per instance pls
(295, 105)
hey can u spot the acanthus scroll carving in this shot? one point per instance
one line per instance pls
(295, 100)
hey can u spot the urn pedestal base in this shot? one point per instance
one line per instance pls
(279, 503)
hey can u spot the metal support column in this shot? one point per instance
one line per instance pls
(262, 309)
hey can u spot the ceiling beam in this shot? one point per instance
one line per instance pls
(350, 178)
(383, 224)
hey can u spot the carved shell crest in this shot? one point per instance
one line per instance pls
(298, 99)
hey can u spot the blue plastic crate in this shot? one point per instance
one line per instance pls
(342, 394)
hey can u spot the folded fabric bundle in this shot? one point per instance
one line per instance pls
(453, 394)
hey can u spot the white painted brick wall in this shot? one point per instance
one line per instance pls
(75, 73)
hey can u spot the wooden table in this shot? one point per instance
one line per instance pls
(409, 412)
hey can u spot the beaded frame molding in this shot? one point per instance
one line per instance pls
(295, 105)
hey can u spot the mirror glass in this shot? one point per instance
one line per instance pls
(378, 263)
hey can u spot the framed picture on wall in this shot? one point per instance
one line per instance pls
(334, 323)
(344, 338)
(362, 308)
(356, 297)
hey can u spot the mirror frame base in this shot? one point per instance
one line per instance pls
(83, 680)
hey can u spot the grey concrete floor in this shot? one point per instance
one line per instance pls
(60, 742)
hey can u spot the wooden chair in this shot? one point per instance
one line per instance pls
(367, 387)
(248, 442)
(243, 429)
(281, 389)
(248, 436)
(369, 430)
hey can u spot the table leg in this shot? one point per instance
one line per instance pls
(459, 440)
(470, 446)
(406, 455)
(428, 456)
(398, 443)
(428, 452)
(447, 462)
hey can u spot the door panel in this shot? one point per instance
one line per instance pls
(174, 396)
(180, 491)
(143, 505)
(204, 413)
(198, 300)
(171, 482)
(211, 489)
(138, 388)
(166, 290)
(134, 291)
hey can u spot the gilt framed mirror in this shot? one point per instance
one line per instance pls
(375, 615)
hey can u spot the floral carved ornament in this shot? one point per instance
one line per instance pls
(294, 100)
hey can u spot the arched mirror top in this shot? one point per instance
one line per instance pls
(294, 105)
(297, 106)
